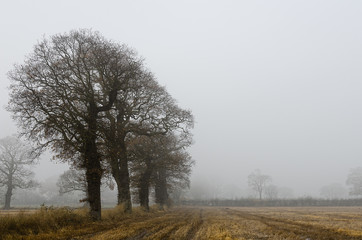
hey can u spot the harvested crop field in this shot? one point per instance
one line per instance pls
(245, 223)
(222, 223)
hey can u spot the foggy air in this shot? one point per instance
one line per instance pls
(186, 102)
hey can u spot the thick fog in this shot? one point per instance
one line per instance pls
(273, 85)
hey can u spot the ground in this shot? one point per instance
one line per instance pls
(312, 223)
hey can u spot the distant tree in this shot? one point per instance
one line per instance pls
(72, 180)
(15, 159)
(333, 191)
(62, 91)
(354, 180)
(231, 191)
(200, 190)
(49, 191)
(258, 182)
(285, 193)
(271, 192)
(177, 194)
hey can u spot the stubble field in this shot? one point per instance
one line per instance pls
(312, 223)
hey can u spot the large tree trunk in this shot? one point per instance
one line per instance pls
(9, 193)
(161, 188)
(123, 182)
(93, 168)
(124, 194)
(144, 184)
(119, 166)
(93, 176)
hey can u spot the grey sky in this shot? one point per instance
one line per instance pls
(274, 85)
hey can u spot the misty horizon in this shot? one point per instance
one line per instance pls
(274, 86)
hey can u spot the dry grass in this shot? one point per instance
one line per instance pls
(187, 223)
(45, 220)
(17, 211)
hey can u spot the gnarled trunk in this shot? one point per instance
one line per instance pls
(93, 168)
(120, 172)
(143, 186)
(93, 177)
(124, 194)
(161, 188)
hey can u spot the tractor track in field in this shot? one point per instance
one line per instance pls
(172, 225)
(192, 232)
(160, 227)
(124, 223)
(282, 227)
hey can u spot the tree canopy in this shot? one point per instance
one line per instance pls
(84, 96)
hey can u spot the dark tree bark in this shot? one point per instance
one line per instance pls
(117, 155)
(161, 188)
(124, 194)
(144, 185)
(93, 167)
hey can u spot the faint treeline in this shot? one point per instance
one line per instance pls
(298, 202)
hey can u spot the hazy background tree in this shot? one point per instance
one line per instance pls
(271, 192)
(59, 93)
(72, 180)
(285, 193)
(200, 190)
(231, 191)
(354, 180)
(15, 159)
(258, 182)
(333, 191)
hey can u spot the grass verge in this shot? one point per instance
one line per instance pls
(61, 223)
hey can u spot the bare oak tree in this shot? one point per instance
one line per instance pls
(143, 109)
(258, 182)
(15, 159)
(161, 161)
(63, 88)
(171, 174)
